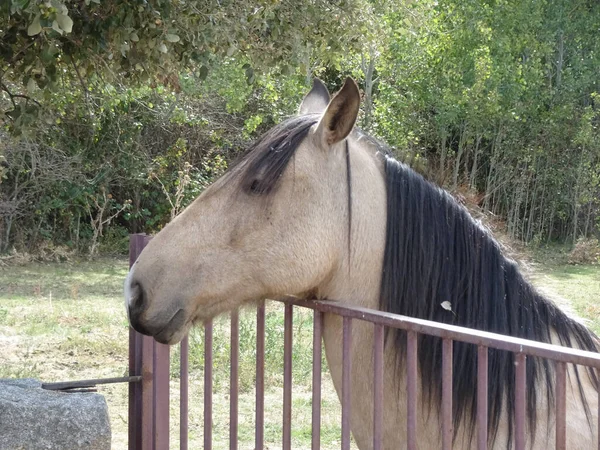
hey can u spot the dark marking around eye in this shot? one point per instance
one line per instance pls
(255, 187)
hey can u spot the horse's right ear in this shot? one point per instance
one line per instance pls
(341, 113)
(316, 100)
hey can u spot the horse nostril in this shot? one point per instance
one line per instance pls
(137, 299)
(138, 302)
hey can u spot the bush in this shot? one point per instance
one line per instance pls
(586, 251)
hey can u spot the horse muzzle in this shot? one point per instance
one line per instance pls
(163, 327)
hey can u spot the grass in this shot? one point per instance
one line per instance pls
(67, 321)
(577, 286)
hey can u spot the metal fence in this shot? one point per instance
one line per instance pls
(149, 400)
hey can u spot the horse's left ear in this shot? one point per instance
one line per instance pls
(341, 113)
(316, 100)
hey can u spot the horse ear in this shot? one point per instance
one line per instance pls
(316, 100)
(341, 114)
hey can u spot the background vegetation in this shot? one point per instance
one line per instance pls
(117, 113)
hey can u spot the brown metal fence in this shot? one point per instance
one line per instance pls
(149, 400)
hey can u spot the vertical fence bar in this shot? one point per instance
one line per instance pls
(346, 379)
(208, 383)
(598, 374)
(160, 392)
(183, 393)
(135, 391)
(316, 381)
(378, 386)
(142, 401)
(411, 390)
(287, 378)
(520, 400)
(447, 394)
(482, 397)
(234, 380)
(259, 437)
(133, 387)
(147, 412)
(136, 244)
(561, 406)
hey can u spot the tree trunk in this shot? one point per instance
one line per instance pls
(442, 168)
(368, 70)
(473, 177)
(461, 148)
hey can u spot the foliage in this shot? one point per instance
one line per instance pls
(500, 97)
(45, 42)
(150, 101)
(586, 251)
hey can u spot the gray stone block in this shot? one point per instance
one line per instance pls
(32, 418)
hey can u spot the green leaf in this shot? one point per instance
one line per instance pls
(65, 22)
(56, 27)
(31, 85)
(35, 27)
(172, 37)
(19, 5)
(162, 48)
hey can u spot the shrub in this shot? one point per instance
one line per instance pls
(586, 251)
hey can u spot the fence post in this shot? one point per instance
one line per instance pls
(148, 400)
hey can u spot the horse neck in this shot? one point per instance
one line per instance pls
(357, 276)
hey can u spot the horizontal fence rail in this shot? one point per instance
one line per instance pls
(149, 399)
(453, 332)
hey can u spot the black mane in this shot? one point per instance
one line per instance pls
(435, 252)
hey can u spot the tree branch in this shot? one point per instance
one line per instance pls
(13, 96)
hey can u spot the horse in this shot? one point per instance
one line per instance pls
(317, 209)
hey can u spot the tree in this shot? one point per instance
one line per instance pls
(45, 42)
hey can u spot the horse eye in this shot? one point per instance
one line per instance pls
(255, 187)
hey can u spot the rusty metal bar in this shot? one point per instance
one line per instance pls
(316, 381)
(482, 397)
(520, 400)
(234, 380)
(445, 331)
(346, 380)
(259, 438)
(561, 406)
(183, 393)
(378, 347)
(447, 394)
(147, 411)
(287, 378)
(411, 390)
(136, 422)
(208, 383)
(136, 245)
(134, 391)
(160, 393)
(66, 385)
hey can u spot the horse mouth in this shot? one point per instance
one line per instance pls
(174, 330)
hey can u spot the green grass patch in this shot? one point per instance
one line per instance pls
(578, 285)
